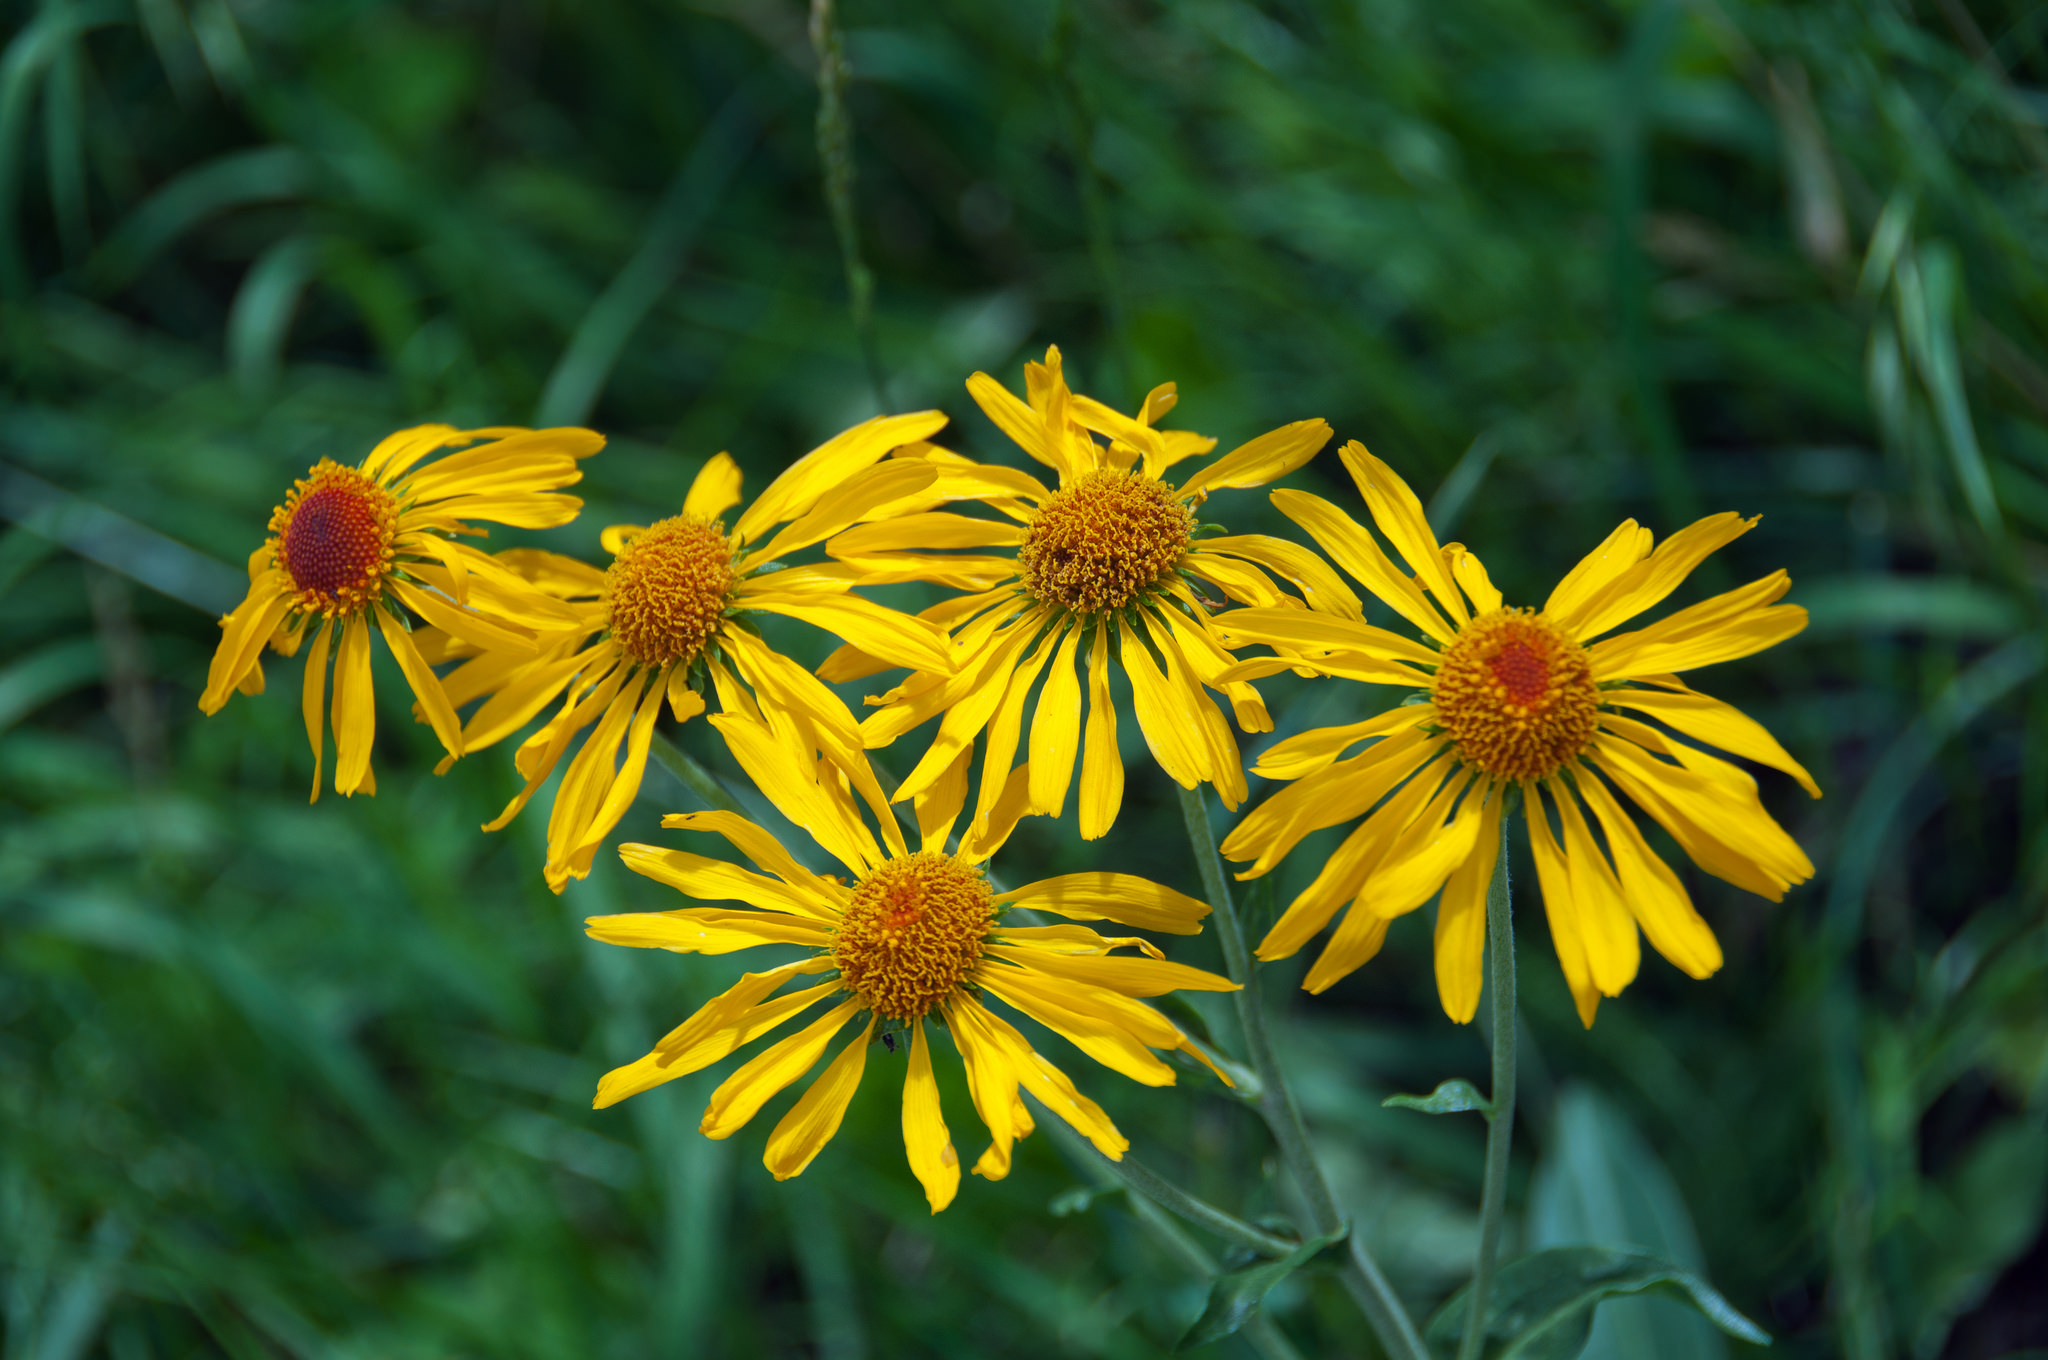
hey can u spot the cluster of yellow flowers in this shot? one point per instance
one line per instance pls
(1110, 566)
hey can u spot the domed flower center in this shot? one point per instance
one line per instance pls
(667, 591)
(334, 536)
(1104, 540)
(1517, 695)
(913, 933)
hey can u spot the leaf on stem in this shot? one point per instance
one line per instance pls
(1541, 1306)
(1236, 1294)
(1450, 1097)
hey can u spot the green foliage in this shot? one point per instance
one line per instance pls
(279, 1079)
(1236, 1294)
(1450, 1097)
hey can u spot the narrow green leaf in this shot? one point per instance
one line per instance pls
(1541, 1306)
(1450, 1097)
(1235, 1295)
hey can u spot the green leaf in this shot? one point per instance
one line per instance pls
(1541, 1306)
(1079, 1199)
(1450, 1097)
(1236, 1294)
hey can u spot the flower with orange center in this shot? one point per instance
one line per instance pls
(913, 940)
(1109, 566)
(1532, 703)
(352, 546)
(668, 620)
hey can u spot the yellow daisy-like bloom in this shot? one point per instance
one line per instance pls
(1518, 700)
(1107, 564)
(353, 546)
(668, 618)
(908, 937)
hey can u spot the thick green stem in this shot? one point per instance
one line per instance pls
(1362, 1277)
(1500, 1133)
(835, 153)
(1140, 1179)
(694, 777)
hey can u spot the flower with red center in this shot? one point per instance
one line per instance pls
(353, 546)
(1111, 565)
(910, 942)
(668, 621)
(1522, 702)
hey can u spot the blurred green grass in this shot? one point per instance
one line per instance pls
(280, 1080)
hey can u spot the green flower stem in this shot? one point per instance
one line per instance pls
(1500, 1133)
(694, 777)
(1369, 1288)
(835, 154)
(1140, 1179)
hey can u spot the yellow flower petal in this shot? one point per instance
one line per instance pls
(1559, 907)
(589, 780)
(1710, 720)
(925, 1140)
(1648, 582)
(1353, 549)
(438, 608)
(967, 706)
(988, 832)
(1025, 427)
(818, 472)
(1299, 632)
(716, 488)
(1267, 458)
(1005, 724)
(396, 453)
(1056, 730)
(724, 1025)
(1653, 894)
(792, 785)
(845, 505)
(705, 930)
(1472, 578)
(1132, 977)
(991, 1080)
(1461, 922)
(355, 708)
(242, 637)
(740, 1097)
(1598, 569)
(1102, 768)
(900, 639)
(1104, 896)
(713, 880)
(1399, 516)
(933, 529)
(1731, 625)
(1167, 719)
(426, 686)
(1103, 1040)
(762, 848)
(539, 753)
(1332, 795)
(314, 701)
(1606, 930)
(1321, 589)
(1425, 854)
(812, 1121)
(1315, 750)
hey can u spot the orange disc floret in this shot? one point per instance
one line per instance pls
(1104, 540)
(667, 590)
(1516, 692)
(912, 933)
(333, 536)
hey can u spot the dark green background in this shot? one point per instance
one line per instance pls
(315, 1082)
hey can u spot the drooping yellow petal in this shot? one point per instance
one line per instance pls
(1329, 796)
(740, 1096)
(438, 607)
(396, 453)
(1713, 813)
(1056, 730)
(935, 529)
(1132, 977)
(1102, 768)
(845, 505)
(925, 1140)
(242, 637)
(426, 686)
(1168, 721)
(355, 708)
(1461, 921)
(1471, 576)
(792, 785)
(991, 1080)
(1210, 733)
(1267, 458)
(1297, 632)
(1398, 513)
(900, 639)
(1560, 909)
(970, 712)
(939, 806)
(1025, 427)
(1441, 838)
(1653, 894)
(1103, 896)
(314, 701)
(811, 1122)
(721, 1028)
(1710, 720)
(539, 753)
(589, 779)
(990, 830)
(716, 488)
(759, 846)
(1005, 724)
(1613, 948)
(1048, 1002)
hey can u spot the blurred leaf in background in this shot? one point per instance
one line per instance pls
(316, 1081)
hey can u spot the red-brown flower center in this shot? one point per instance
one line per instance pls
(1516, 693)
(333, 536)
